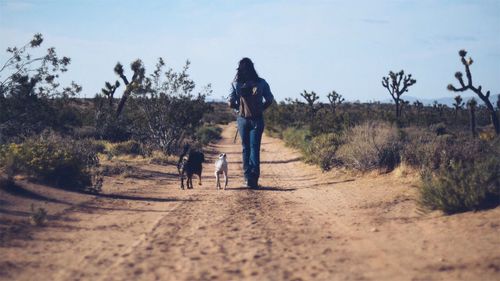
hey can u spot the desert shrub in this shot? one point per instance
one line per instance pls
(98, 146)
(119, 169)
(487, 135)
(424, 149)
(160, 158)
(85, 132)
(130, 147)
(170, 111)
(38, 216)
(460, 173)
(439, 129)
(418, 145)
(322, 150)
(54, 159)
(31, 97)
(297, 138)
(208, 134)
(371, 145)
(319, 150)
(219, 113)
(446, 149)
(108, 126)
(460, 186)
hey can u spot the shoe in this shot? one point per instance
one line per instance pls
(252, 183)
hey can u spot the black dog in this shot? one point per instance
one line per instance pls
(190, 163)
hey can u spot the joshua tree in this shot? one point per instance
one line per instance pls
(478, 90)
(398, 85)
(404, 103)
(439, 107)
(335, 100)
(109, 91)
(419, 106)
(138, 69)
(311, 99)
(458, 104)
(471, 104)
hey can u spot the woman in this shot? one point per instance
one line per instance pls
(250, 95)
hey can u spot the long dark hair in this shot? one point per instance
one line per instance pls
(246, 71)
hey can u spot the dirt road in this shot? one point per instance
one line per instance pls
(301, 225)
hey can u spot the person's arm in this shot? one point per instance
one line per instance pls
(268, 96)
(233, 100)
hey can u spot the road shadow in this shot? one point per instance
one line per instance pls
(135, 172)
(261, 188)
(297, 159)
(331, 183)
(141, 198)
(93, 208)
(14, 213)
(19, 191)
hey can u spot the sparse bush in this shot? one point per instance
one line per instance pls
(170, 111)
(208, 134)
(113, 170)
(460, 174)
(297, 138)
(130, 147)
(370, 146)
(108, 126)
(31, 98)
(98, 146)
(459, 186)
(38, 216)
(439, 129)
(160, 158)
(418, 144)
(85, 132)
(447, 149)
(219, 113)
(54, 159)
(321, 150)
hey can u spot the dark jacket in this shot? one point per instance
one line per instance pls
(251, 98)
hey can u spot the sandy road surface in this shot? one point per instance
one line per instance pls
(302, 225)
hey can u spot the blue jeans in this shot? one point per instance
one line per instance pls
(250, 131)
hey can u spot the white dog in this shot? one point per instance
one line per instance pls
(221, 168)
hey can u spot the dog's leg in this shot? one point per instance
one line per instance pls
(199, 183)
(226, 178)
(217, 180)
(182, 182)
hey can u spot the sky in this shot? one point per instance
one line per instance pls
(346, 46)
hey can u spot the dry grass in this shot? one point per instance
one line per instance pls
(369, 146)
